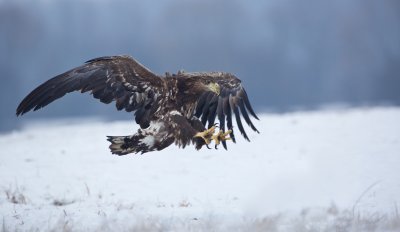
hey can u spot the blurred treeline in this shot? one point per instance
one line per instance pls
(290, 54)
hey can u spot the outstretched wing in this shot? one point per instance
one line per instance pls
(233, 99)
(113, 78)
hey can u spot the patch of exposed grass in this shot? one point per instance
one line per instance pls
(15, 195)
(62, 202)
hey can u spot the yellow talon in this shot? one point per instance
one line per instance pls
(221, 136)
(206, 135)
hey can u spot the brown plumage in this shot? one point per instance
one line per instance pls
(174, 108)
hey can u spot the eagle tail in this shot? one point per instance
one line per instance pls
(141, 142)
(123, 145)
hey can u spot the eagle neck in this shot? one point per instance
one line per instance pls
(182, 95)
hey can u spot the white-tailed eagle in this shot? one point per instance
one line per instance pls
(171, 109)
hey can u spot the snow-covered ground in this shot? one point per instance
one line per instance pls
(331, 170)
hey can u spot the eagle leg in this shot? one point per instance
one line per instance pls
(221, 136)
(206, 135)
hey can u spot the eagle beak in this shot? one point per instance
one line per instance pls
(214, 87)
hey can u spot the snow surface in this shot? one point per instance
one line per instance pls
(305, 171)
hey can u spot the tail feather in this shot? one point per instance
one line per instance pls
(123, 145)
(153, 138)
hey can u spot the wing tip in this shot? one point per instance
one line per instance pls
(19, 114)
(224, 145)
(109, 58)
(22, 109)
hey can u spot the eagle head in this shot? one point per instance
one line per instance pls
(213, 87)
(205, 84)
(197, 83)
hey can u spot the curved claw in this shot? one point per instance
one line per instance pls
(206, 135)
(216, 125)
(221, 136)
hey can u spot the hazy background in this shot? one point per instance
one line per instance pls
(290, 54)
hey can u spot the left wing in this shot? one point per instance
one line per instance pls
(232, 99)
(121, 79)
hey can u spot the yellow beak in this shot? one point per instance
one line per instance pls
(214, 87)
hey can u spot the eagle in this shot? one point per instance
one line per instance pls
(176, 108)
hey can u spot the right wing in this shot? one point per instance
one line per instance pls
(232, 98)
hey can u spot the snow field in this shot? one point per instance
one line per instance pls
(307, 171)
